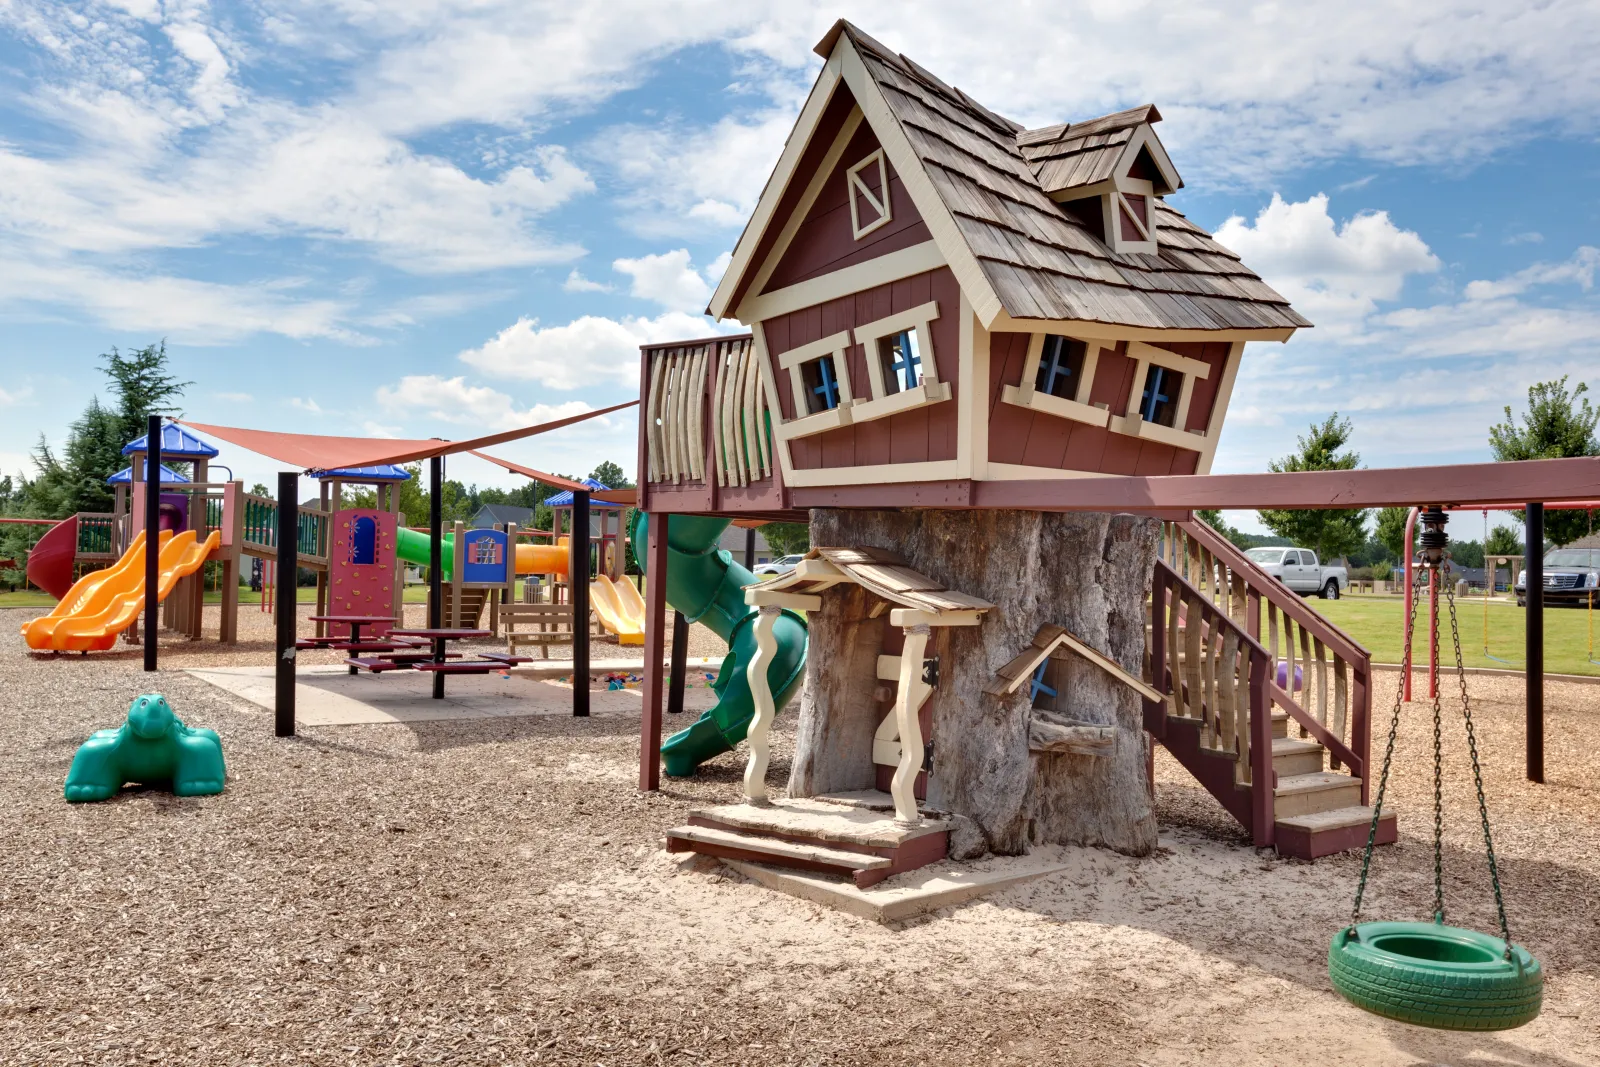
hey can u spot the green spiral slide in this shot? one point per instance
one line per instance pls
(706, 585)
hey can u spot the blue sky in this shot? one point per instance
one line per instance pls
(435, 218)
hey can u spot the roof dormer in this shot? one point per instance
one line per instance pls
(1105, 172)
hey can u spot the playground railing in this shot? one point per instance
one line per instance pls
(97, 535)
(1215, 673)
(260, 529)
(1320, 677)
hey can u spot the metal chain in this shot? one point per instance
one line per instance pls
(1438, 761)
(1388, 760)
(1477, 776)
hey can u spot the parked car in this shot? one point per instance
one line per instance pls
(1571, 576)
(1298, 569)
(781, 565)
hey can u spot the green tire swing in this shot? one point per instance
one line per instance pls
(1428, 973)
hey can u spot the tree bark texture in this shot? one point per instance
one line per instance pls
(1089, 572)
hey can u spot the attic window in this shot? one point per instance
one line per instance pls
(1158, 403)
(821, 380)
(867, 184)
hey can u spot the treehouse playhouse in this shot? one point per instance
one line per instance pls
(953, 321)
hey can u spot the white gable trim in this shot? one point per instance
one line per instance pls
(777, 184)
(906, 163)
(1145, 137)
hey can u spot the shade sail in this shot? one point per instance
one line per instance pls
(315, 452)
(528, 472)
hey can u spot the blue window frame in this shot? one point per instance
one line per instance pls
(1039, 688)
(1159, 402)
(901, 359)
(822, 384)
(1061, 367)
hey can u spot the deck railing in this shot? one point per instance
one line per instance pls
(97, 535)
(705, 415)
(1318, 675)
(260, 529)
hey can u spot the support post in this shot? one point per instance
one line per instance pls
(436, 563)
(578, 574)
(750, 549)
(1410, 567)
(288, 513)
(680, 663)
(909, 696)
(755, 768)
(655, 625)
(1533, 567)
(152, 538)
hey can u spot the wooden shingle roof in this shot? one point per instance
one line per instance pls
(995, 179)
(879, 571)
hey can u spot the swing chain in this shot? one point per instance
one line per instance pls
(1477, 776)
(1388, 760)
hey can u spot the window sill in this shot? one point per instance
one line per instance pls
(923, 394)
(818, 422)
(1055, 405)
(1134, 426)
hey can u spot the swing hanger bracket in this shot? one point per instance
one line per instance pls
(1435, 542)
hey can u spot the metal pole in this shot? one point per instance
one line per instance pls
(655, 623)
(578, 580)
(287, 568)
(152, 538)
(1533, 568)
(435, 564)
(680, 663)
(1409, 554)
(750, 549)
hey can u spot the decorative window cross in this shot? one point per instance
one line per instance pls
(905, 364)
(1061, 360)
(1038, 685)
(1155, 405)
(876, 204)
(828, 390)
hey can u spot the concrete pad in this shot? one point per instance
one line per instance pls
(599, 668)
(328, 695)
(905, 895)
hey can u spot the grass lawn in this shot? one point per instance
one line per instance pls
(1376, 623)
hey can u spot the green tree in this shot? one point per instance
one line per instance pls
(143, 387)
(1331, 532)
(1213, 518)
(1391, 530)
(609, 473)
(1503, 541)
(1558, 424)
(787, 538)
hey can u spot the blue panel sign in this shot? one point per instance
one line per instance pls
(484, 552)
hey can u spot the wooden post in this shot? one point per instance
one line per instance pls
(755, 768)
(1263, 781)
(458, 559)
(907, 705)
(578, 572)
(435, 563)
(288, 513)
(152, 538)
(655, 624)
(680, 663)
(1533, 567)
(750, 548)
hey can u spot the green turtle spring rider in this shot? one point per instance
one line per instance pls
(152, 748)
(1427, 973)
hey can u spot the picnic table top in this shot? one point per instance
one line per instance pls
(361, 620)
(445, 633)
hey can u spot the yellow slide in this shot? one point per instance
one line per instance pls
(103, 604)
(620, 608)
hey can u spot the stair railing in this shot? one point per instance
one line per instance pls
(1320, 676)
(1214, 672)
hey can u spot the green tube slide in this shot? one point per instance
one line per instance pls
(706, 585)
(412, 547)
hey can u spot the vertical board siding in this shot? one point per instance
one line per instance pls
(924, 434)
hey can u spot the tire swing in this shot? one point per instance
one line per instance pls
(1427, 973)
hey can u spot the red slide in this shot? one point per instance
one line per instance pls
(50, 562)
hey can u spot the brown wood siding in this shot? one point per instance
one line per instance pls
(828, 127)
(1034, 439)
(909, 437)
(824, 242)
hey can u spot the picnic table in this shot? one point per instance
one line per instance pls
(439, 664)
(355, 622)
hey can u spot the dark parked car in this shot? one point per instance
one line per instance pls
(1571, 576)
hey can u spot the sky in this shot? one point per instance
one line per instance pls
(428, 218)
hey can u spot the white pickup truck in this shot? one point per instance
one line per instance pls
(1298, 569)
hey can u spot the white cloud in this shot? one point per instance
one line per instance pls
(1334, 275)
(577, 283)
(9, 397)
(668, 279)
(1580, 269)
(306, 404)
(592, 350)
(424, 397)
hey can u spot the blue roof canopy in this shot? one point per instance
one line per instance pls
(125, 476)
(386, 472)
(176, 441)
(564, 500)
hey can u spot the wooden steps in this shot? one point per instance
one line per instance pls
(850, 836)
(1325, 833)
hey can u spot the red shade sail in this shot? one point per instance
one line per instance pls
(537, 475)
(315, 452)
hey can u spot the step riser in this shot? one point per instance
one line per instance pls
(1310, 845)
(1297, 763)
(802, 839)
(750, 855)
(1313, 801)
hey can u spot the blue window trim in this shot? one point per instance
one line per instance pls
(906, 368)
(1153, 397)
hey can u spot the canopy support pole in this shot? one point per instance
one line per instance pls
(1534, 570)
(655, 625)
(436, 563)
(285, 606)
(578, 577)
(152, 538)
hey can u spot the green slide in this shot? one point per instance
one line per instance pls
(412, 547)
(706, 585)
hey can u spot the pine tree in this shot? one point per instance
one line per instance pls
(142, 387)
(1331, 533)
(1557, 425)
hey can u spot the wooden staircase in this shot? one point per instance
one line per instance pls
(1232, 704)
